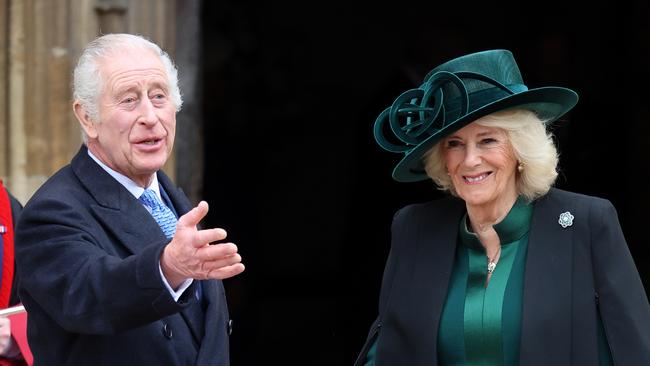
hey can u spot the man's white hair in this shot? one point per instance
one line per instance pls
(87, 80)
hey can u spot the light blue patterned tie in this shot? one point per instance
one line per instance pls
(160, 212)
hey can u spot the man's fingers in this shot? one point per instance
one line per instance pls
(194, 216)
(209, 235)
(217, 251)
(208, 266)
(190, 254)
(226, 272)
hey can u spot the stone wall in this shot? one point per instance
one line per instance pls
(39, 43)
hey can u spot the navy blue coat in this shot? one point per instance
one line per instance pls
(87, 254)
(572, 274)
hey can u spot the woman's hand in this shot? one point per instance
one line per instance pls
(5, 334)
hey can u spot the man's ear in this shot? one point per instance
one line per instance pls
(84, 119)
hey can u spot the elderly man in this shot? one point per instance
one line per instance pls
(112, 266)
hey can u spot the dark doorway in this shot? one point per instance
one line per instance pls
(293, 173)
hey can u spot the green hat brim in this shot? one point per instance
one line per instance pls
(550, 103)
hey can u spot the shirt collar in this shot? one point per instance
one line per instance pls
(127, 182)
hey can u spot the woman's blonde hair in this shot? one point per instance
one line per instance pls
(531, 143)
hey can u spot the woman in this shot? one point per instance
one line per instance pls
(506, 271)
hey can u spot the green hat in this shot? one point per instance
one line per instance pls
(455, 94)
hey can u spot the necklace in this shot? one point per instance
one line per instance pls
(492, 264)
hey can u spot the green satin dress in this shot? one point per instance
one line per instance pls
(480, 325)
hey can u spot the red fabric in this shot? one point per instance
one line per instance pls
(8, 248)
(18, 321)
(19, 332)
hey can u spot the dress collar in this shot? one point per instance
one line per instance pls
(514, 226)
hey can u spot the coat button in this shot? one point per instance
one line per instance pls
(230, 327)
(167, 331)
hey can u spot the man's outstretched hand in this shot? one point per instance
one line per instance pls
(190, 255)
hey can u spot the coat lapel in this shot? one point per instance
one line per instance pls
(121, 214)
(434, 258)
(181, 204)
(546, 318)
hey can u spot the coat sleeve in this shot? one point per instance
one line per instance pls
(622, 300)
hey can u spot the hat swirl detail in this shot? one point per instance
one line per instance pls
(453, 95)
(419, 113)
